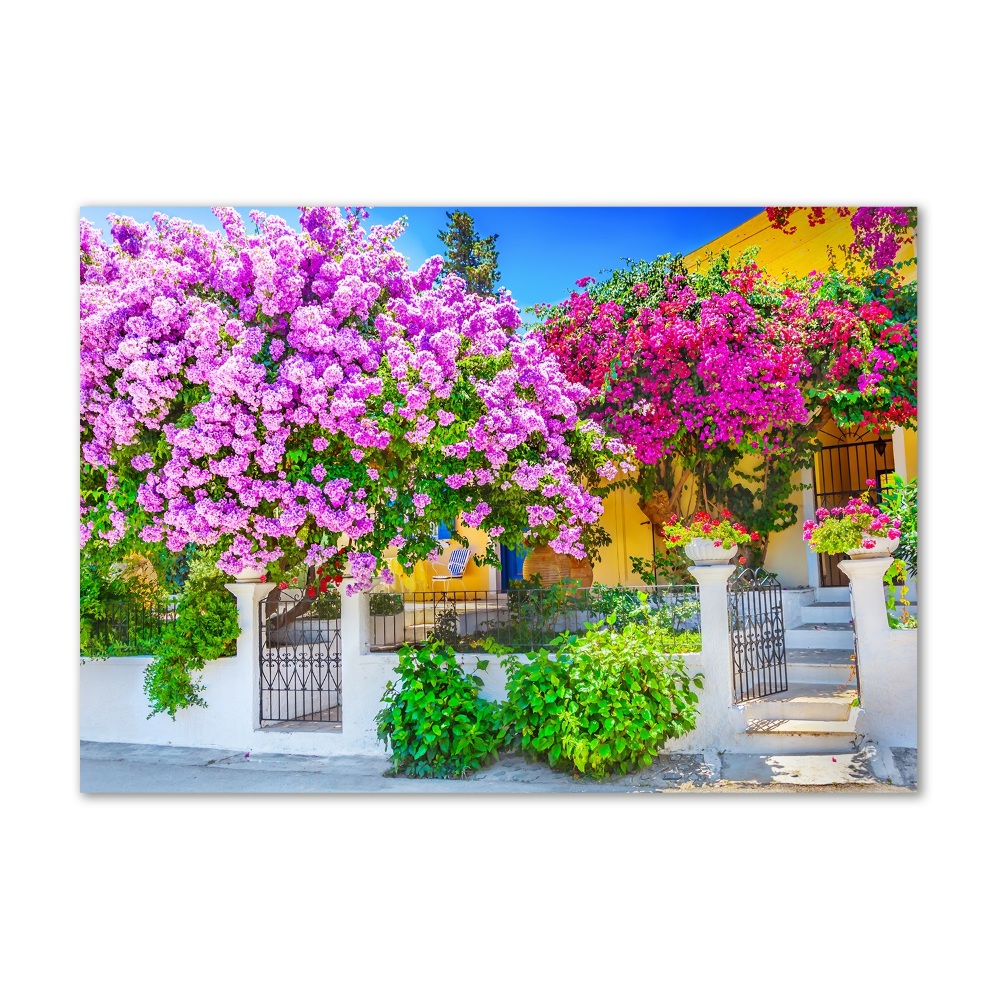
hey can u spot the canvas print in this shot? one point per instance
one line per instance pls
(498, 499)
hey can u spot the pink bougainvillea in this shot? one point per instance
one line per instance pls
(257, 391)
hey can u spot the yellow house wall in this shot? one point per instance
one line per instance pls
(475, 578)
(910, 443)
(809, 248)
(623, 520)
(786, 551)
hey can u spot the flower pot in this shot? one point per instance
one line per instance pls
(884, 547)
(544, 562)
(248, 576)
(704, 552)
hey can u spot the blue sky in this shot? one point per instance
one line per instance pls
(542, 251)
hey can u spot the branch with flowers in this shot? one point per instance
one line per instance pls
(879, 231)
(297, 398)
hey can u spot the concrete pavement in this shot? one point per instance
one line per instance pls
(138, 768)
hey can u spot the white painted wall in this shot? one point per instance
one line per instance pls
(113, 707)
(887, 659)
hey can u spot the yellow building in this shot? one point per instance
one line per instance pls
(842, 466)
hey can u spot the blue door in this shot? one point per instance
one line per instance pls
(511, 563)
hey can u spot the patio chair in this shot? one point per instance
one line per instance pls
(457, 562)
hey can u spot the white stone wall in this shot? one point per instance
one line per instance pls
(113, 706)
(887, 659)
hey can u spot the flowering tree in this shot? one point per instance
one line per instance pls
(697, 371)
(292, 399)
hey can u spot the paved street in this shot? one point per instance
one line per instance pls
(135, 768)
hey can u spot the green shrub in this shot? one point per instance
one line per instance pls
(434, 720)
(603, 702)
(206, 628)
(665, 611)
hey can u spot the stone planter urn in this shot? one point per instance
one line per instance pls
(549, 565)
(247, 576)
(581, 570)
(704, 552)
(883, 548)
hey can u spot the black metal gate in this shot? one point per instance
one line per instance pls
(757, 634)
(300, 664)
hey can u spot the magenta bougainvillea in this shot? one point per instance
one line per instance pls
(303, 397)
(735, 357)
(699, 370)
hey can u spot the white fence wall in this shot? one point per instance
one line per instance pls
(113, 706)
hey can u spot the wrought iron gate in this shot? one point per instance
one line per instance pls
(300, 664)
(757, 634)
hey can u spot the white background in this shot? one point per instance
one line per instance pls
(501, 104)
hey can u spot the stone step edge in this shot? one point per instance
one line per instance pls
(799, 727)
(805, 727)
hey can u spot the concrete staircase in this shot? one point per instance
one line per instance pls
(817, 713)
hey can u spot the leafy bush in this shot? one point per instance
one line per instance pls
(621, 605)
(434, 719)
(604, 702)
(206, 628)
(669, 566)
(899, 501)
(534, 614)
(122, 606)
(326, 605)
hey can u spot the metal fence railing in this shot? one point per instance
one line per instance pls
(525, 619)
(124, 628)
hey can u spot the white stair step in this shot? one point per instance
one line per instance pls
(813, 702)
(800, 727)
(836, 635)
(781, 736)
(818, 614)
(792, 741)
(819, 666)
(835, 595)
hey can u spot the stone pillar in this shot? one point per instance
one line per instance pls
(809, 514)
(887, 659)
(355, 625)
(871, 620)
(899, 453)
(249, 594)
(716, 698)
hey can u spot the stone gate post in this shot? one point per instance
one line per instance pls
(887, 658)
(249, 594)
(716, 697)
